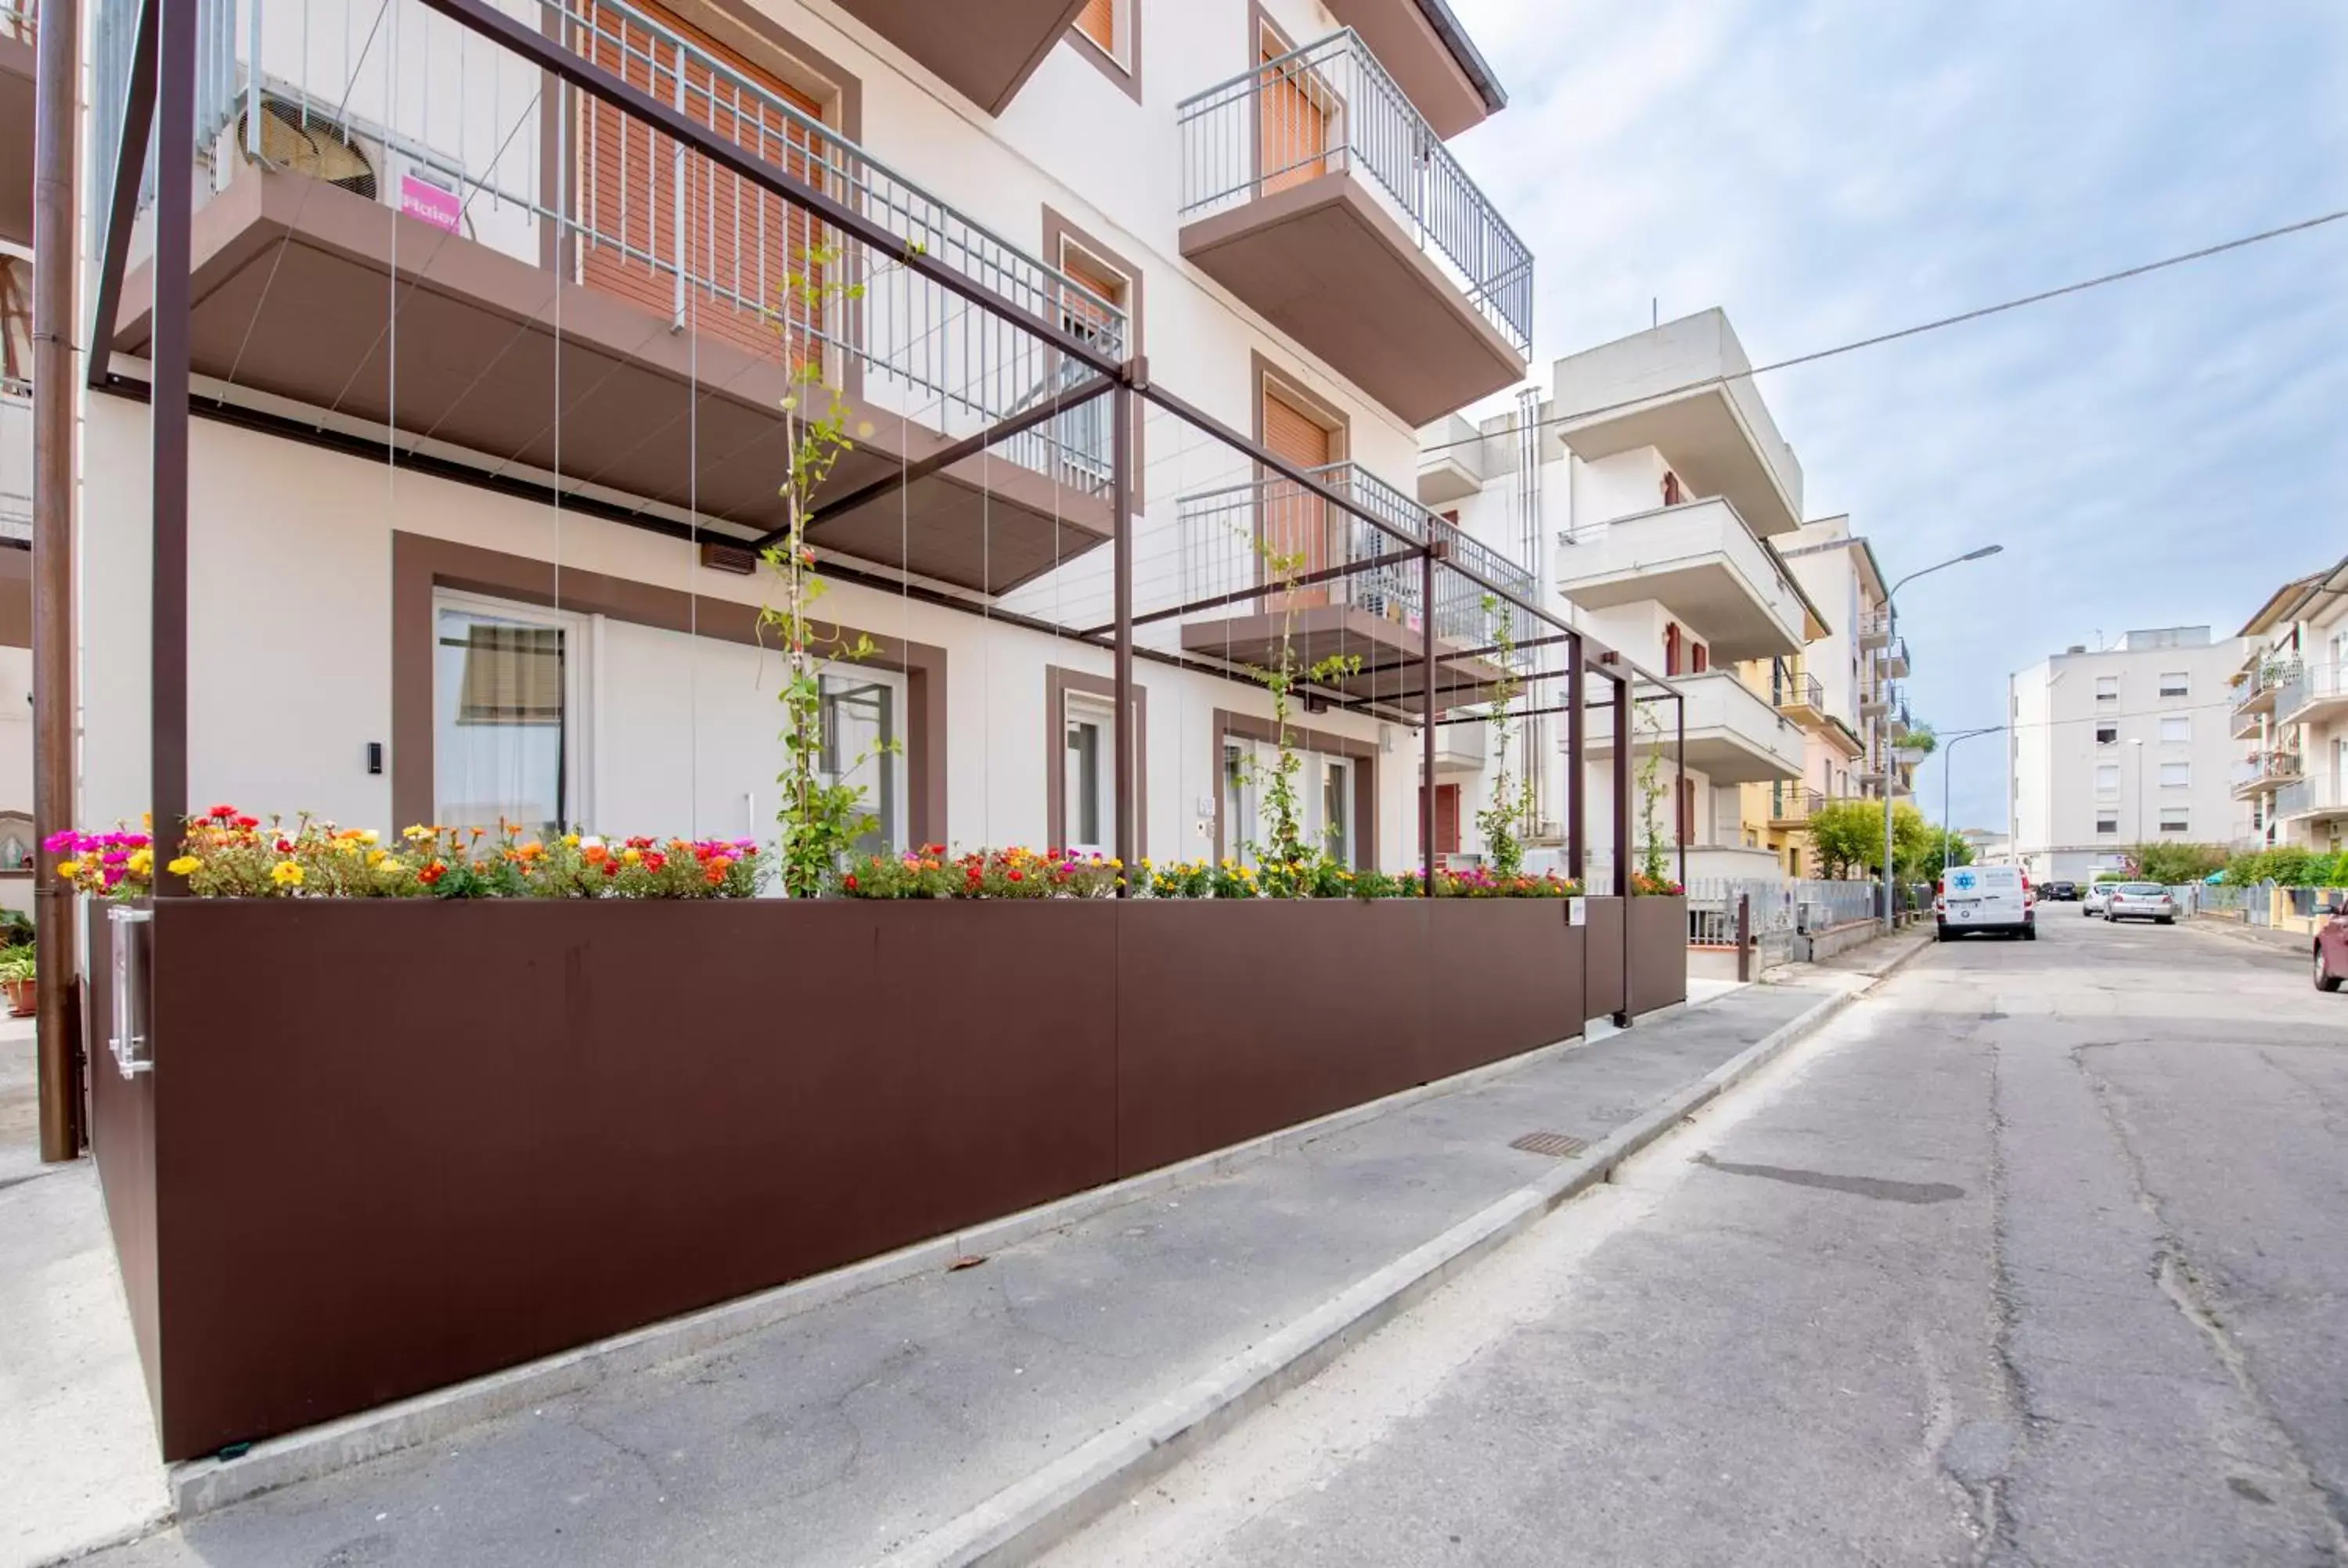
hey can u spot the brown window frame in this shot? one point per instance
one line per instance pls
(1059, 682)
(1060, 237)
(1126, 73)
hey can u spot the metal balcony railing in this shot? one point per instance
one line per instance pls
(2267, 768)
(1330, 107)
(1792, 803)
(1794, 688)
(15, 460)
(17, 21)
(2309, 683)
(1228, 533)
(417, 97)
(1875, 623)
(2264, 681)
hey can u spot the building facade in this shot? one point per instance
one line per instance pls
(2290, 715)
(1653, 485)
(491, 375)
(2127, 745)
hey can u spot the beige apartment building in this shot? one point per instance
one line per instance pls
(2290, 715)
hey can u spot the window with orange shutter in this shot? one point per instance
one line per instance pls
(1098, 21)
(737, 246)
(1293, 133)
(1296, 529)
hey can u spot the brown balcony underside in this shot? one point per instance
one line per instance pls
(1391, 674)
(16, 141)
(290, 297)
(1326, 264)
(1398, 32)
(985, 52)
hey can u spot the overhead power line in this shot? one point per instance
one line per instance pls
(1958, 319)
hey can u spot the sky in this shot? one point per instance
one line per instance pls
(2163, 451)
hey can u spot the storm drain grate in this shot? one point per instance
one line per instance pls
(1555, 1144)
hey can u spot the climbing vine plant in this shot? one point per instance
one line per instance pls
(821, 816)
(1507, 820)
(1286, 862)
(1654, 864)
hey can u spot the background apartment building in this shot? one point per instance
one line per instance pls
(569, 333)
(2290, 714)
(1654, 494)
(2122, 746)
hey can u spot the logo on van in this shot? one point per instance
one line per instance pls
(1963, 882)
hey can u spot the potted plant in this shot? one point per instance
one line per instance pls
(16, 973)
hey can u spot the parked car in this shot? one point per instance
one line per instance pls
(2331, 948)
(2098, 895)
(2060, 893)
(1984, 899)
(2141, 901)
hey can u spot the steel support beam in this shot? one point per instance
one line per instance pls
(1427, 561)
(169, 412)
(122, 206)
(1577, 737)
(1126, 742)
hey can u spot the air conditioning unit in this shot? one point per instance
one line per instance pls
(306, 142)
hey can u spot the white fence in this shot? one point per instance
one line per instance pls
(1780, 910)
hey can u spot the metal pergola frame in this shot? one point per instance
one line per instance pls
(161, 102)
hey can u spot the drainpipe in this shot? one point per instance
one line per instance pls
(58, 1014)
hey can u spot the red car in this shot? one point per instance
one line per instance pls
(2332, 948)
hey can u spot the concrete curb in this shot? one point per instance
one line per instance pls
(1034, 1514)
(199, 1486)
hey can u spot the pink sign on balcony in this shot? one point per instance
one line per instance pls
(422, 199)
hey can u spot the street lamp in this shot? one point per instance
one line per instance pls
(1883, 760)
(2137, 747)
(1947, 765)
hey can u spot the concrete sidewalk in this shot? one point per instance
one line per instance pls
(77, 1450)
(956, 1412)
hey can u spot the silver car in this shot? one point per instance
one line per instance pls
(2095, 899)
(2141, 901)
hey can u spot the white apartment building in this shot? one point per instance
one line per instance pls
(2123, 746)
(1654, 494)
(1841, 690)
(490, 376)
(2290, 714)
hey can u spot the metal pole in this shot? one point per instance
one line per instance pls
(1577, 723)
(1126, 744)
(1623, 740)
(1745, 936)
(1883, 767)
(1426, 727)
(55, 938)
(175, 162)
(1679, 766)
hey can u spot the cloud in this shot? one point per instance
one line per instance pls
(2158, 452)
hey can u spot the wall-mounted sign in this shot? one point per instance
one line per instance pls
(434, 204)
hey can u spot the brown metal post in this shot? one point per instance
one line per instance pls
(1426, 728)
(1745, 936)
(56, 938)
(1623, 739)
(175, 162)
(1126, 741)
(1577, 727)
(1679, 770)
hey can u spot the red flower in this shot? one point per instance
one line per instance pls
(248, 822)
(222, 812)
(1018, 876)
(431, 873)
(611, 868)
(850, 883)
(284, 846)
(655, 860)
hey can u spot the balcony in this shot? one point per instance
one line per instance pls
(1682, 389)
(1430, 56)
(1875, 629)
(1373, 615)
(2263, 770)
(1895, 657)
(1797, 693)
(1461, 747)
(1316, 193)
(16, 75)
(1791, 805)
(1450, 461)
(986, 53)
(1734, 736)
(2311, 799)
(2258, 694)
(1699, 558)
(2315, 694)
(647, 370)
(1875, 699)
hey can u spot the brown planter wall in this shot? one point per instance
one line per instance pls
(1602, 957)
(1658, 953)
(388, 1146)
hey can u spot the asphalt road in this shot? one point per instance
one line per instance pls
(2039, 1255)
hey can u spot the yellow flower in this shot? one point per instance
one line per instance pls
(377, 857)
(419, 832)
(186, 866)
(571, 841)
(68, 868)
(369, 836)
(1116, 865)
(631, 856)
(286, 874)
(141, 862)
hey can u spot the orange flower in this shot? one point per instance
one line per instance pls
(594, 853)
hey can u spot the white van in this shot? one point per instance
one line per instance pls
(1985, 898)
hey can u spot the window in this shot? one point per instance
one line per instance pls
(1107, 26)
(2108, 822)
(1091, 728)
(2176, 775)
(508, 706)
(1325, 800)
(2173, 683)
(2172, 819)
(860, 749)
(2107, 688)
(2107, 778)
(2107, 734)
(2176, 732)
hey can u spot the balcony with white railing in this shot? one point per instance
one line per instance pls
(1243, 542)
(535, 246)
(2313, 797)
(2254, 700)
(17, 81)
(1734, 736)
(2263, 770)
(1699, 558)
(1316, 193)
